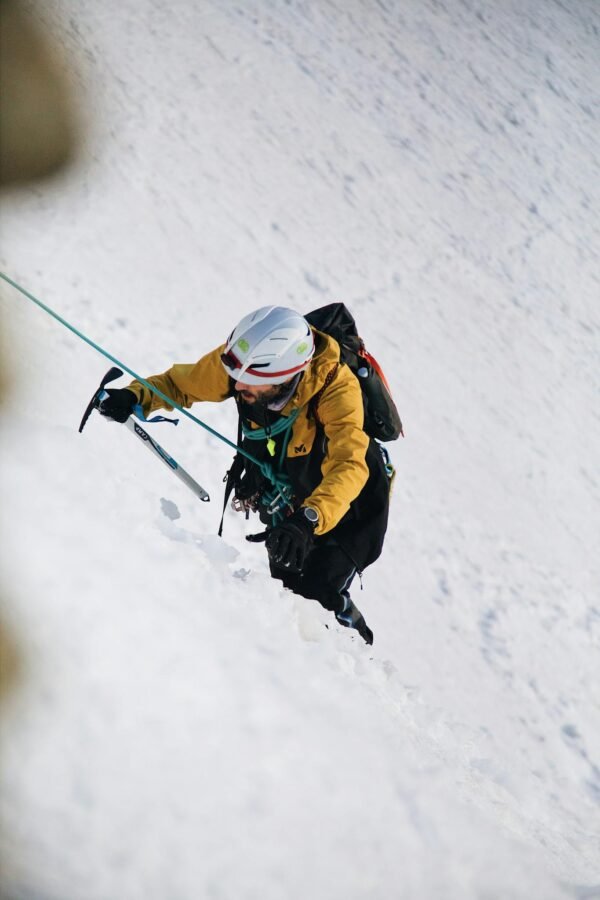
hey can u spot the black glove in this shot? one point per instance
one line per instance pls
(289, 543)
(119, 404)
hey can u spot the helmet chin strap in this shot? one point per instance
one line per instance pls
(284, 393)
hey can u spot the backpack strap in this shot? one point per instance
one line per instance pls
(314, 401)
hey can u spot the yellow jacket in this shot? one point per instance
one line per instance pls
(340, 412)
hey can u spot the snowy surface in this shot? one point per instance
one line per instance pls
(182, 728)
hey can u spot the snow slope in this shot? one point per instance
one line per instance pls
(182, 728)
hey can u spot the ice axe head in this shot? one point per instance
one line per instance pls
(111, 375)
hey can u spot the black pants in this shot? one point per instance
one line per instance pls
(327, 574)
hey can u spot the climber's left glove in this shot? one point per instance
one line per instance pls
(290, 542)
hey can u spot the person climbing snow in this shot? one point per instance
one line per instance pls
(300, 409)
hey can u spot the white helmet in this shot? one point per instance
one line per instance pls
(269, 346)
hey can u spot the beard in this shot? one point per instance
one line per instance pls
(265, 397)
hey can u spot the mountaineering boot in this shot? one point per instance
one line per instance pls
(351, 617)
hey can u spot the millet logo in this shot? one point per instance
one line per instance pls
(300, 449)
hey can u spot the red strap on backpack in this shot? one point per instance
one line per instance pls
(366, 355)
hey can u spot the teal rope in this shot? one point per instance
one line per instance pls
(286, 440)
(284, 424)
(261, 434)
(265, 468)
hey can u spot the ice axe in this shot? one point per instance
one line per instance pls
(142, 434)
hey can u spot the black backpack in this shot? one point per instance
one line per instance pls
(381, 416)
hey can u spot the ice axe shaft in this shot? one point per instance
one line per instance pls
(143, 435)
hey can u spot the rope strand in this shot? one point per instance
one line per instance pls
(265, 468)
